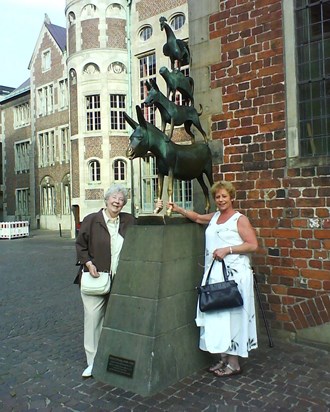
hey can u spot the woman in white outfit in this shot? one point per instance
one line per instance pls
(230, 237)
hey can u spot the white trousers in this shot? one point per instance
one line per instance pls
(94, 312)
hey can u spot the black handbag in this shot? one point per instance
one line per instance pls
(218, 296)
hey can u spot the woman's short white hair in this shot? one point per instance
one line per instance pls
(116, 188)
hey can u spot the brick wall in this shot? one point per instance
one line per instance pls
(289, 207)
(11, 178)
(72, 39)
(147, 8)
(116, 33)
(90, 34)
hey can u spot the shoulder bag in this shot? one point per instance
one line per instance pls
(219, 296)
(96, 286)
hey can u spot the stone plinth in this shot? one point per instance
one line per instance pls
(149, 339)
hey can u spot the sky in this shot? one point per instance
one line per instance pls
(20, 25)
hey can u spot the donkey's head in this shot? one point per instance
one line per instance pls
(139, 141)
(153, 93)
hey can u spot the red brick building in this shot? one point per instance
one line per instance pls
(274, 122)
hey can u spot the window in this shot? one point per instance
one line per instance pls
(22, 202)
(21, 115)
(119, 170)
(46, 60)
(22, 157)
(313, 76)
(149, 183)
(177, 21)
(145, 33)
(46, 148)
(93, 112)
(47, 199)
(63, 94)
(65, 145)
(45, 100)
(94, 171)
(66, 199)
(182, 193)
(147, 66)
(117, 108)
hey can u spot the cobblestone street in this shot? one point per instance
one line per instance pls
(42, 356)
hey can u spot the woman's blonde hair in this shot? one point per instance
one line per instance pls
(223, 185)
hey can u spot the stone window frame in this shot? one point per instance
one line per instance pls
(292, 115)
(47, 148)
(47, 196)
(145, 62)
(65, 144)
(117, 103)
(93, 112)
(94, 171)
(149, 183)
(66, 197)
(46, 60)
(22, 201)
(45, 100)
(63, 93)
(177, 21)
(22, 156)
(145, 33)
(22, 115)
(119, 166)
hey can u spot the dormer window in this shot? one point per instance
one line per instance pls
(46, 60)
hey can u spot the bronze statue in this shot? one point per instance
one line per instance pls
(175, 49)
(177, 81)
(182, 162)
(172, 113)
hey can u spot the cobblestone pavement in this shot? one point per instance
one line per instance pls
(42, 357)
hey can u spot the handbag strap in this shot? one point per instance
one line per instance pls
(224, 271)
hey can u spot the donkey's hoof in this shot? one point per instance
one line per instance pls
(169, 212)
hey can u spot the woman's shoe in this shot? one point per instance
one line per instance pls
(227, 371)
(219, 365)
(88, 372)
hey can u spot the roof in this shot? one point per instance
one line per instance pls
(59, 34)
(23, 88)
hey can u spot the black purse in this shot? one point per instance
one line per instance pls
(218, 296)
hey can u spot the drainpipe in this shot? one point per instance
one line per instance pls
(129, 94)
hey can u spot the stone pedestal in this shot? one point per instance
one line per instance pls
(149, 339)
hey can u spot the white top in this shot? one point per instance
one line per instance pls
(116, 240)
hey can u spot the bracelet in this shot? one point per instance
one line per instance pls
(231, 250)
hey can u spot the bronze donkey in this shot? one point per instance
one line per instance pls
(182, 162)
(172, 113)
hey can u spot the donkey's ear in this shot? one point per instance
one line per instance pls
(130, 121)
(154, 84)
(141, 119)
(148, 85)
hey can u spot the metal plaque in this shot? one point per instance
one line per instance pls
(121, 366)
